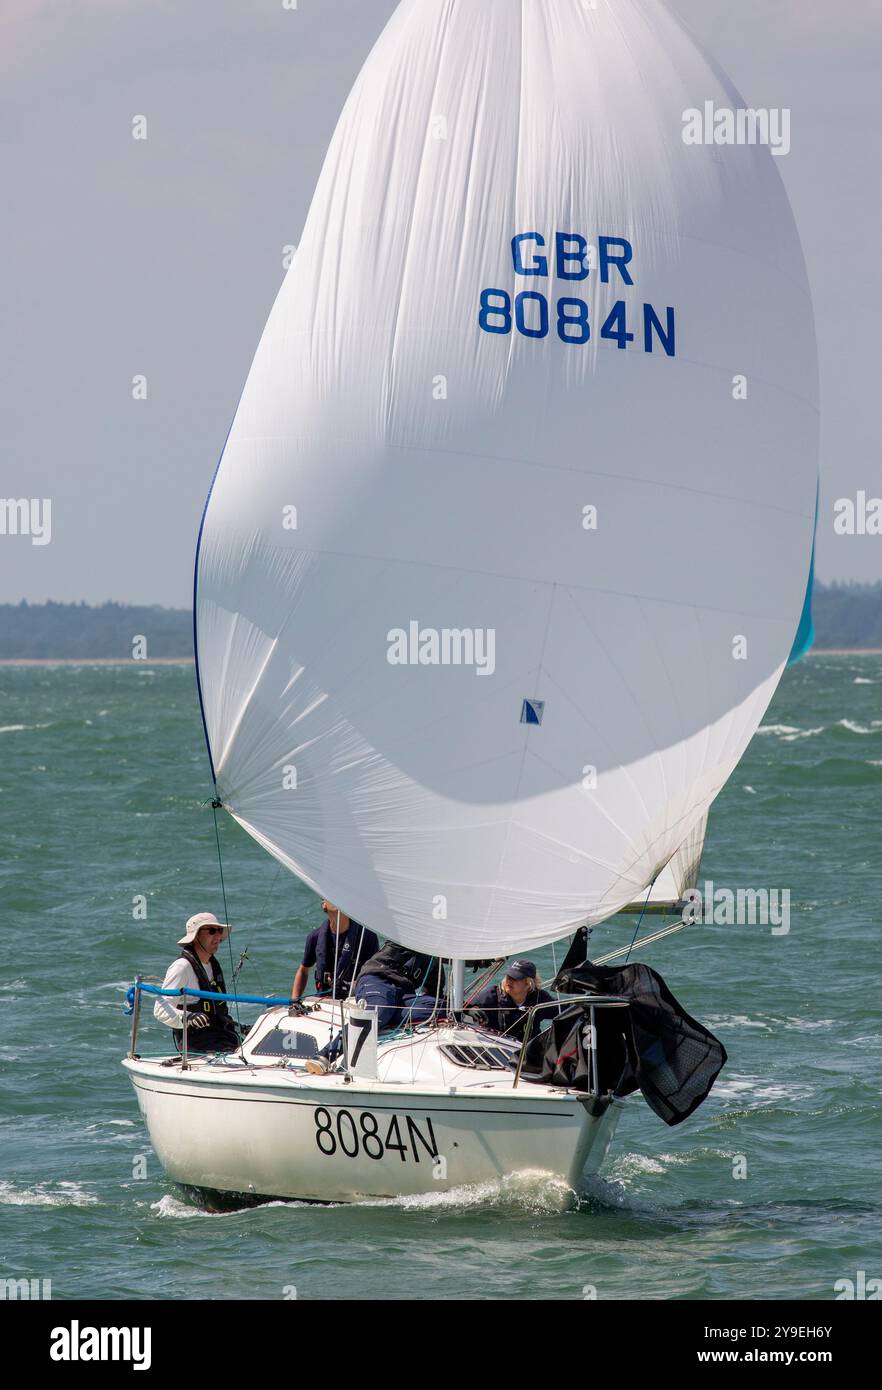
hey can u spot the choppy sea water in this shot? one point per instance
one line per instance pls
(103, 785)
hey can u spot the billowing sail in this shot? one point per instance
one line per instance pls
(678, 875)
(508, 544)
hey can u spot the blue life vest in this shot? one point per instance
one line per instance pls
(325, 950)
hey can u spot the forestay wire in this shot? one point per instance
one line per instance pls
(215, 806)
(640, 919)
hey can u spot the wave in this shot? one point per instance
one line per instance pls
(760, 1091)
(770, 1024)
(632, 1165)
(17, 728)
(788, 734)
(531, 1190)
(174, 1208)
(65, 1194)
(535, 1191)
(736, 1021)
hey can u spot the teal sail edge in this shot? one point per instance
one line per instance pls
(805, 633)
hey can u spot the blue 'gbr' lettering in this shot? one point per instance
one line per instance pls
(571, 256)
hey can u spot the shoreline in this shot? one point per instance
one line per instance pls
(95, 661)
(188, 660)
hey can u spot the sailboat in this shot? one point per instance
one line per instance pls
(499, 570)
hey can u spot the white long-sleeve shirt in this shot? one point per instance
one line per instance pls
(180, 975)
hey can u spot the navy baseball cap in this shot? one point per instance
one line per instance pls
(521, 970)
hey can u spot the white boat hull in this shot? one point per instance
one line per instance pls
(225, 1126)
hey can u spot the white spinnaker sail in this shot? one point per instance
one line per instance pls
(678, 875)
(449, 453)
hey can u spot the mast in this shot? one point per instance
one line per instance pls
(457, 974)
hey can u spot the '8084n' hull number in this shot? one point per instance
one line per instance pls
(373, 1136)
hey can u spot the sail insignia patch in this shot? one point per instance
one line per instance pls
(532, 711)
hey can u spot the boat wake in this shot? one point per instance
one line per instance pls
(531, 1190)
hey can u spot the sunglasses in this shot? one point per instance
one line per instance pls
(214, 931)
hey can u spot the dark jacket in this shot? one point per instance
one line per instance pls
(408, 970)
(356, 945)
(497, 1011)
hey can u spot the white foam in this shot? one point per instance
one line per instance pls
(66, 1194)
(169, 1206)
(531, 1189)
(808, 1025)
(854, 727)
(788, 733)
(632, 1165)
(758, 1089)
(736, 1021)
(16, 728)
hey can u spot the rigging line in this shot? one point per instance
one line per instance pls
(354, 978)
(216, 803)
(244, 953)
(640, 919)
(408, 1020)
(336, 954)
(645, 941)
(334, 983)
(483, 980)
(431, 1017)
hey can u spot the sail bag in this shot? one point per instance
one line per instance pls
(675, 1059)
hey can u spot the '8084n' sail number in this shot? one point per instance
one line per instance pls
(372, 1136)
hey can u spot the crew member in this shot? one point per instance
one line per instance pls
(503, 1008)
(401, 984)
(209, 1025)
(404, 987)
(337, 949)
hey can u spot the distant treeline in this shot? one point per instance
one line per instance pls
(78, 630)
(846, 615)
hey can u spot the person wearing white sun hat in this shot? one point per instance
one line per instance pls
(209, 1025)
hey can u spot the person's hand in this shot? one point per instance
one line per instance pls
(296, 1007)
(197, 1020)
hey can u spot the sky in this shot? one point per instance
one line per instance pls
(162, 257)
